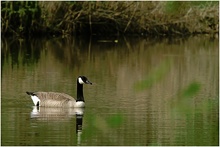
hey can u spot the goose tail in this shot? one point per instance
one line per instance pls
(29, 93)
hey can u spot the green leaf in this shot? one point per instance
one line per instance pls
(154, 76)
(191, 90)
(115, 120)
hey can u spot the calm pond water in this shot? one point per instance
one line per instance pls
(144, 92)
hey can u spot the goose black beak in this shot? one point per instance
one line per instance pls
(88, 82)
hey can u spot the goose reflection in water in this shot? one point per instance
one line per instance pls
(60, 114)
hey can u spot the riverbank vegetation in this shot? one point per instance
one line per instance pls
(165, 18)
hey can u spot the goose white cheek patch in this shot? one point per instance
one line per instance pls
(35, 99)
(80, 81)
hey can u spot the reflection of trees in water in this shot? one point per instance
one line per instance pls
(68, 51)
(21, 52)
(28, 52)
(74, 52)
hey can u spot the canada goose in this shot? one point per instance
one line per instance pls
(55, 99)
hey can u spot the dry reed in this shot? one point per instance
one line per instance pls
(108, 17)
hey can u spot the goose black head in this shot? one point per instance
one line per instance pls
(83, 80)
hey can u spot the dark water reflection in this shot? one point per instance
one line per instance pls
(145, 92)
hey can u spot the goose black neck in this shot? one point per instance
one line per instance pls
(79, 92)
